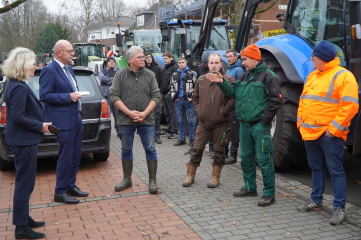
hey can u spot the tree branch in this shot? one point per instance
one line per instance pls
(266, 8)
(11, 6)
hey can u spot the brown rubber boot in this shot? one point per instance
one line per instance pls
(215, 177)
(191, 173)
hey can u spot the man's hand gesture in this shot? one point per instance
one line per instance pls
(215, 77)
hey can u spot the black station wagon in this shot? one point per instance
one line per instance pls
(96, 122)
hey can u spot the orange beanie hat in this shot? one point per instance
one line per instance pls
(252, 51)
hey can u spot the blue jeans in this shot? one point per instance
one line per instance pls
(146, 134)
(323, 152)
(180, 106)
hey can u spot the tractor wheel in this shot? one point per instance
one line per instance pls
(289, 151)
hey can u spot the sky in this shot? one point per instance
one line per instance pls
(52, 5)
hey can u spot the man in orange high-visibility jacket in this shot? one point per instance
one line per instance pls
(328, 103)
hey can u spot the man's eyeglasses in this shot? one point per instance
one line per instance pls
(140, 57)
(69, 51)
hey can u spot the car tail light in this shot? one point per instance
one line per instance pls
(3, 114)
(105, 113)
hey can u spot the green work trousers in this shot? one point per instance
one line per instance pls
(256, 139)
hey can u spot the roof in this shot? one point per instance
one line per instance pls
(124, 20)
(152, 23)
(144, 12)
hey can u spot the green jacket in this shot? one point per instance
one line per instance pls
(257, 93)
(136, 90)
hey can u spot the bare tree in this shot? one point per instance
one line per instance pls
(22, 26)
(88, 8)
(110, 9)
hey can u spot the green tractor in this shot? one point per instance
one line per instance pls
(88, 55)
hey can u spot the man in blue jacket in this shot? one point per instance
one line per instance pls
(235, 68)
(106, 77)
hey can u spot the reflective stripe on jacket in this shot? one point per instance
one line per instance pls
(329, 101)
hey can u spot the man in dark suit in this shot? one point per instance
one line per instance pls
(62, 106)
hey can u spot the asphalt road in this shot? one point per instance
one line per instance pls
(352, 166)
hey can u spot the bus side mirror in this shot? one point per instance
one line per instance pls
(119, 39)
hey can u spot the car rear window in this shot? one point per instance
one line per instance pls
(86, 82)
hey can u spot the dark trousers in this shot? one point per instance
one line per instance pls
(25, 165)
(234, 138)
(170, 113)
(157, 122)
(70, 142)
(202, 137)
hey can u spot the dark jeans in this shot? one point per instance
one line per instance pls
(181, 106)
(157, 122)
(25, 158)
(327, 152)
(234, 136)
(202, 137)
(114, 110)
(170, 113)
(146, 134)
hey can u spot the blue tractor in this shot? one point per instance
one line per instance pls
(307, 22)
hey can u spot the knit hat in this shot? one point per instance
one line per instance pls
(205, 56)
(252, 51)
(325, 51)
(110, 58)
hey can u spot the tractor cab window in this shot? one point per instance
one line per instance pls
(317, 20)
(148, 40)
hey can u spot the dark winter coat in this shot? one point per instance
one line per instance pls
(168, 70)
(157, 71)
(189, 81)
(202, 70)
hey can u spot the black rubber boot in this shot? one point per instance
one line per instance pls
(152, 170)
(127, 180)
(33, 224)
(25, 232)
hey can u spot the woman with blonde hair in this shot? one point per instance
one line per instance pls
(24, 131)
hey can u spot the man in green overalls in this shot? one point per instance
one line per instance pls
(258, 97)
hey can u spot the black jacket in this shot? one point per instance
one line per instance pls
(157, 71)
(168, 70)
(202, 70)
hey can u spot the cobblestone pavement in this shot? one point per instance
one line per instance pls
(133, 214)
(216, 214)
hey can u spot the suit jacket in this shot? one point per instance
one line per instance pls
(24, 115)
(55, 89)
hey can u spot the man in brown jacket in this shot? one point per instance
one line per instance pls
(213, 108)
